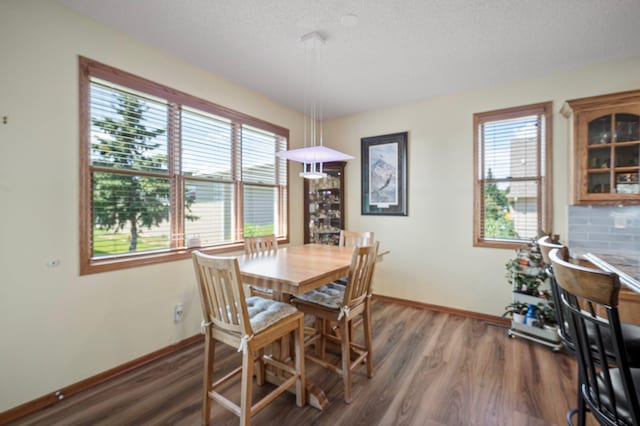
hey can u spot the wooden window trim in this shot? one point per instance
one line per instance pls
(545, 196)
(89, 68)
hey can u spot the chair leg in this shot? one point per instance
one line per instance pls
(581, 410)
(346, 359)
(367, 338)
(260, 370)
(299, 363)
(352, 331)
(209, 350)
(324, 330)
(582, 407)
(245, 391)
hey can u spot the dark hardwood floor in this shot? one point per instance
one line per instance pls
(431, 368)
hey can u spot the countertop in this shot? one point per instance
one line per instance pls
(627, 267)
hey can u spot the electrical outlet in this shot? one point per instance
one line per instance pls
(178, 312)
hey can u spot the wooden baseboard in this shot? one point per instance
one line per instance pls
(53, 397)
(454, 311)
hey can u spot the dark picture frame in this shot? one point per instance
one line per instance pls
(384, 174)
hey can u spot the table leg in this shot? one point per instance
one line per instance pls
(282, 352)
(315, 396)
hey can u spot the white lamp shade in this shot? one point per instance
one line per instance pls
(312, 175)
(314, 154)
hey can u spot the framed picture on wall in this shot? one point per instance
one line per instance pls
(384, 174)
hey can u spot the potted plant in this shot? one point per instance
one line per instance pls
(526, 272)
(527, 284)
(545, 294)
(516, 310)
(547, 315)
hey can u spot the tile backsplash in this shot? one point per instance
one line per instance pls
(605, 229)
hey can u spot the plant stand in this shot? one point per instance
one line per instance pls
(527, 275)
(540, 335)
(527, 332)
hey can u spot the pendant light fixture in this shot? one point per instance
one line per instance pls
(314, 153)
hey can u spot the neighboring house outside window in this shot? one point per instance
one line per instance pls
(512, 175)
(163, 171)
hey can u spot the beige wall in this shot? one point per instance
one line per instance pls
(58, 328)
(432, 259)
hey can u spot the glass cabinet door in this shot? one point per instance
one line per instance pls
(600, 130)
(627, 153)
(627, 128)
(324, 206)
(613, 154)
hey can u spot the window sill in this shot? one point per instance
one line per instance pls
(511, 245)
(114, 263)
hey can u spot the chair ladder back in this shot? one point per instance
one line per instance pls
(263, 244)
(592, 347)
(363, 263)
(221, 292)
(355, 238)
(585, 295)
(206, 297)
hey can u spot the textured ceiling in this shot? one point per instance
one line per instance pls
(400, 50)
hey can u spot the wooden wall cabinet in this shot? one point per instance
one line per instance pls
(606, 140)
(629, 306)
(324, 206)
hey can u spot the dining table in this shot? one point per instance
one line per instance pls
(294, 270)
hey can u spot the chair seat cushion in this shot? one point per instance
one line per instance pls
(630, 336)
(342, 281)
(330, 296)
(264, 312)
(623, 407)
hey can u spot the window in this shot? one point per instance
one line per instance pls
(163, 171)
(512, 175)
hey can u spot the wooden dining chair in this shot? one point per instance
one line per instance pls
(249, 325)
(254, 246)
(260, 245)
(344, 304)
(355, 238)
(350, 239)
(609, 385)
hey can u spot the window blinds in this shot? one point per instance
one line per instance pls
(511, 171)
